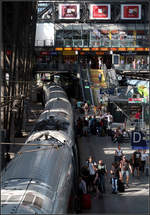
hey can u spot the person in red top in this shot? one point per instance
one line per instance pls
(137, 117)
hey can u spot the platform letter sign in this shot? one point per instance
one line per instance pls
(138, 140)
(131, 11)
(69, 11)
(100, 11)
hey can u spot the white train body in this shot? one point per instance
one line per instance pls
(40, 178)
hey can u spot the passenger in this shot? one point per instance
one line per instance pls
(82, 186)
(93, 125)
(81, 191)
(109, 120)
(92, 170)
(85, 126)
(86, 108)
(136, 158)
(86, 176)
(125, 166)
(117, 135)
(98, 128)
(105, 125)
(102, 172)
(79, 106)
(144, 157)
(115, 177)
(118, 154)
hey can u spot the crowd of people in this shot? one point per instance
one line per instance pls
(95, 124)
(93, 174)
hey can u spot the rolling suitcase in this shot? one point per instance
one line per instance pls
(121, 187)
(86, 201)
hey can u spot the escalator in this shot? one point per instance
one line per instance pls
(85, 84)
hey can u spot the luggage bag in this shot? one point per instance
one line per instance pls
(86, 201)
(121, 187)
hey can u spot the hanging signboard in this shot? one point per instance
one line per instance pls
(136, 100)
(138, 140)
(69, 11)
(100, 11)
(130, 11)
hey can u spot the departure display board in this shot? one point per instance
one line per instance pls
(131, 11)
(100, 11)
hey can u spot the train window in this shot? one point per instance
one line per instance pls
(38, 202)
(14, 198)
(28, 199)
(4, 198)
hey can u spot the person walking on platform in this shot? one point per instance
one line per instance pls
(125, 166)
(82, 186)
(118, 154)
(114, 177)
(109, 119)
(86, 108)
(144, 157)
(136, 158)
(102, 171)
(92, 125)
(85, 126)
(91, 167)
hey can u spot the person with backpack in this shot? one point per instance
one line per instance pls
(124, 167)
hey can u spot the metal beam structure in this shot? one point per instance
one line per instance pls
(18, 35)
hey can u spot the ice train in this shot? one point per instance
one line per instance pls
(41, 177)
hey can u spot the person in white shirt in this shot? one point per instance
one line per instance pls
(118, 154)
(144, 157)
(91, 168)
(109, 119)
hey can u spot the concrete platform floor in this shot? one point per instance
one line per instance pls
(135, 199)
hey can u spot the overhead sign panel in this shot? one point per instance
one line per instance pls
(69, 11)
(136, 100)
(130, 11)
(100, 11)
(138, 140)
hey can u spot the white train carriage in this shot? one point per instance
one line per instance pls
(54, 91)
(39, 179)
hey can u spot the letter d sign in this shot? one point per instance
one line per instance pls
(137, 137)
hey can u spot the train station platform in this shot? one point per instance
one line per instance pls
(135, 199)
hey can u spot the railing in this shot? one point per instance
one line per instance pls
(49, 67)
(100, 43)
(91, 43)
(130, 67)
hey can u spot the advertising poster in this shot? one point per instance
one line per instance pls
(130, 11)
(69, 11)
(100, 11)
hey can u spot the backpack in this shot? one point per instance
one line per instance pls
(102, 171)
